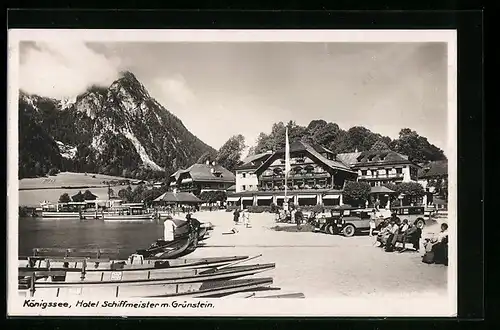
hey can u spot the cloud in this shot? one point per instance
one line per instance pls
(174, 90)
(64, 69)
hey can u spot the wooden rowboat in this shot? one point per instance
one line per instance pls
(188, 290)
(78, 263)
(43, 279)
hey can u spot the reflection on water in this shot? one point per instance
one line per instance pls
(74, 233)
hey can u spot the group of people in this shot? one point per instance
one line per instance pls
(294, 215)
(242, 216)
(394, 230)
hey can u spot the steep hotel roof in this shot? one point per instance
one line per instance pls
(249, 162)
(313, 151)
(203, 172)
(432, 169)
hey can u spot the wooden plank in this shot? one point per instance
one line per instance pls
(94, 250)
(42, 272)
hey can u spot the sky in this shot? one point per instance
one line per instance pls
(227, 88)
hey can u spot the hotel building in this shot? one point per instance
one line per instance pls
(381, 167)
(202, 177)
(316, 177)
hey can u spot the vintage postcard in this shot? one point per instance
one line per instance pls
(232, 173)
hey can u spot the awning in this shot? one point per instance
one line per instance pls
(331, 197)
(233, 199)
(246, 198)
(264, 197)
(281, 197)
(306, 196)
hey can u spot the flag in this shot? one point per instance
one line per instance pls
(287, 155)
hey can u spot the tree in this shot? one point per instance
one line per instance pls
(213, 196)
(89, 196)
(78, 197)
(53, 171)
(410, 190)
(64, 198)
(357, 192)
(229, 154)
(416, 147)
(207, 156)
(379, 146)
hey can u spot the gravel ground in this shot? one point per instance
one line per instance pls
(325, 266)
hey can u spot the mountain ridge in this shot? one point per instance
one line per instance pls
(116, 130)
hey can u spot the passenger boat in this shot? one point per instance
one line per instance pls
(88, 209)
(206, 289)
(128, 212)
(70, 210)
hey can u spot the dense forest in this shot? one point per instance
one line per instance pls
(331, 136)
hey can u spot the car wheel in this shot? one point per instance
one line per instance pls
(329, 229)
(420, 223)
(349, 231)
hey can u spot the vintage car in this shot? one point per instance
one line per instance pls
(346, 221)
(417, 215)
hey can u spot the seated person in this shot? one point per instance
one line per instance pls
(384, 234)
(438, 246)
(391, 242)
(412, 235)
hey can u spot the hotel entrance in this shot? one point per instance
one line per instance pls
(307, 200)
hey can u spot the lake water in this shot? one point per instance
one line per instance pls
(68, 233)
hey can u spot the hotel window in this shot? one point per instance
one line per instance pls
(399, 170)
(243, 175)
(243, 187)
(363, 172)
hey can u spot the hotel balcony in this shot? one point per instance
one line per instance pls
(311, 175)
(381, 176)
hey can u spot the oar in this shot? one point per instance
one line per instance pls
(235, 263)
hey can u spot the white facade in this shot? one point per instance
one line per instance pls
(246, 180)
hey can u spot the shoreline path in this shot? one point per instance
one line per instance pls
(325, 266)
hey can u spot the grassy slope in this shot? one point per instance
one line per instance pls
(67, 179)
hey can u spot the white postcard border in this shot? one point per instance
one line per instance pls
(425, 304)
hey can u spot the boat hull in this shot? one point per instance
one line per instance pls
(193, 290)
(141, 217)
(126, 265)
(96, 279)
(61, 215)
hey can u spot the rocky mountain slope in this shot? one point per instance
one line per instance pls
(119, 130)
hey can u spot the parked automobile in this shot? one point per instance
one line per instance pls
(414, 214)
(346, 221)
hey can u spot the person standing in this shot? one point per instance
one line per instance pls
(299, 217)
(168, 230)
(236, 216)
(372, 222)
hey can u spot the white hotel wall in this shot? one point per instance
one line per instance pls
(250, 181)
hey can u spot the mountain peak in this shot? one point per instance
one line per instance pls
(128, 75)
(130, 83)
